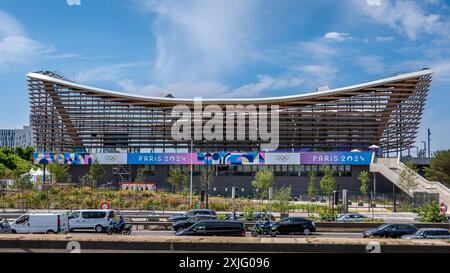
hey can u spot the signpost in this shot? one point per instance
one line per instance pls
(233, 196)
(270, 200)
(105, 205)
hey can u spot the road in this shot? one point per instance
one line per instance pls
(155, 233)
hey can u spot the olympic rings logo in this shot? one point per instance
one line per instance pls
(110, 158)
(283, 158)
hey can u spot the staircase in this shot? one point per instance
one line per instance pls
(391, 168)
(124, 172)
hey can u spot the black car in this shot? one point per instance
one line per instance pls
(214, 228)
(391, 231)
(4, 227)
(191, 213)
(177, 226)
(292, 225)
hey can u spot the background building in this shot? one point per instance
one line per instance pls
(73, 122)
(12, 138)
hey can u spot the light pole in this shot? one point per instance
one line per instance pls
(190, 186)
(207, 156)
(424, 148)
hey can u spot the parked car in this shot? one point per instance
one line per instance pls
(5, 227)
(214, 228)
(180, 225)
(49, 223)
(292, 225)
(257, 216)
(391, 230)
(351, 217)
(191, 213)
(97, 220)
(429, 233)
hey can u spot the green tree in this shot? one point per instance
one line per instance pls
(179, 178)
(5, 173)
(96, 172)
(60, 172)
(407, 178)
(282, 198)
(142, 173)
(22, 181)
(363, 178)
(312, 185)
(263, 181)
(439, 169)
(328, 182)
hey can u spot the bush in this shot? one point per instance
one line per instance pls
(430, 212)
(248, 213)
(326, 214)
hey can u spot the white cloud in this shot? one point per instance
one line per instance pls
(385, 38)
(15, 46)
(372, 64)
(373, 2)
(105, 73)
(406, 17)
(315, 49)
(198, 40)
(210, 89)
(317, 69)
(337, 36)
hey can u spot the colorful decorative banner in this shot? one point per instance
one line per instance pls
(219, 158)
(336, 158)
(160, 159)
(111, 159)
(224, 158)
(282, 158)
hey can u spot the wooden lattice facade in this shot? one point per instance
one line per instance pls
(68, 117)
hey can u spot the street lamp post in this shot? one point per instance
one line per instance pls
(424, 148)
(207, 156)
(191, 176)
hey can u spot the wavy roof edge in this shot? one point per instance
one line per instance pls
(406, 76)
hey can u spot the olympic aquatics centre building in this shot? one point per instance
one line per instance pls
(345, 127)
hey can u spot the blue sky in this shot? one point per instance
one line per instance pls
(230, 48)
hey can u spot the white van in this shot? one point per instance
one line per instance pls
(97, 220)
(49, 223)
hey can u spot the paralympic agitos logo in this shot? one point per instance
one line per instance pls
(236, 119)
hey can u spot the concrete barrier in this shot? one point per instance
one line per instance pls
(216, 244)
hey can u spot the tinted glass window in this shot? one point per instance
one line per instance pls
(199, 226)
(74, 215)
(111, 214)
(23, 219)
(93, 215)
(299, 220)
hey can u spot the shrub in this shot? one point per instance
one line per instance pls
(430, 213)
(248, 213)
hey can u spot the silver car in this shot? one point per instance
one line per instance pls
(351, 217)
(429, 233)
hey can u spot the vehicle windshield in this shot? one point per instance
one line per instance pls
(420, 232)
(282, 221)
(383, 226)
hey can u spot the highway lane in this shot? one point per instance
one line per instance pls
(155, 233)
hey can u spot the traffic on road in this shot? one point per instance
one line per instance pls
(205, 222)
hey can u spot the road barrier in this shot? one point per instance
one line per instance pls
(55, 243)
(320, 226)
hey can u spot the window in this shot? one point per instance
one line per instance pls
(75, 214)
(199, 227)
(23, 219)
(93, 215)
